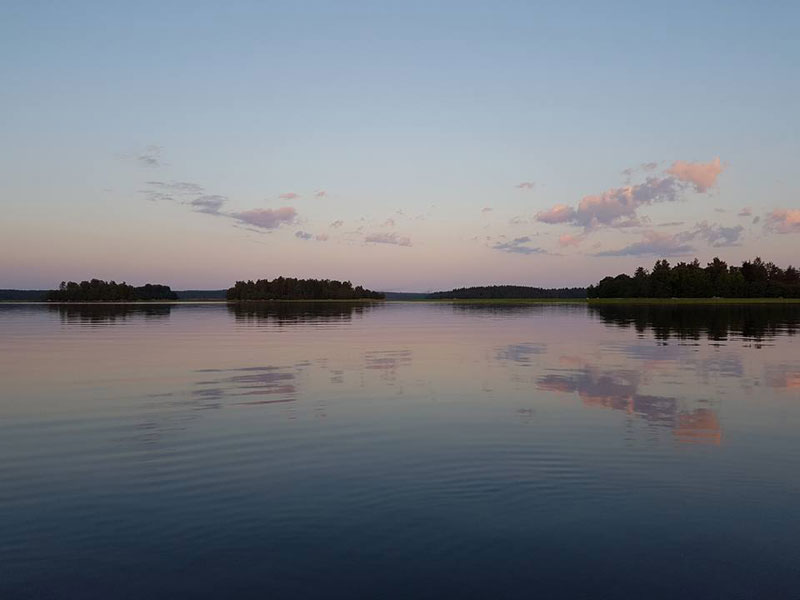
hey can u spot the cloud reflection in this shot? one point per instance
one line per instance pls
(521, 353)
(618, 389)
(782, 376)
(387, 362)
(249, 381)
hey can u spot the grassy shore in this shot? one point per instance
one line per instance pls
(492, 301)
(694, 301)
(662, 301)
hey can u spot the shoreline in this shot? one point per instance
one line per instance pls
(587, 301)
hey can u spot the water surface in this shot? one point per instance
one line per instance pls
(399, 450)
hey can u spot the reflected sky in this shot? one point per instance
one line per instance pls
(624, 357)
(414, 434)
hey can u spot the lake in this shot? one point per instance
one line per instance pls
(399, 450)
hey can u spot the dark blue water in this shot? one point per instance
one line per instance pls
(399, 451)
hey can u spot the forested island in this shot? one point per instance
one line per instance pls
(289, 288)
(97, 290)
(753, 279)
(507, 292)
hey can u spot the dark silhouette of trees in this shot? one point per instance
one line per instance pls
(289, 288)
(507, 291)
(753, 279)
(108, 291)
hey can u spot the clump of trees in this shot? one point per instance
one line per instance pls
(289, 288)
(97, 290)
(753, 279)
(508, 291)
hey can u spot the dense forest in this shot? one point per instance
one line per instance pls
(289, 288)
(753, 279)
(508, 291)
(108, 291)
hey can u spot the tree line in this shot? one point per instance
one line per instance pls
(507, 291)
(753, 279)
(97, 290)
(289, 288)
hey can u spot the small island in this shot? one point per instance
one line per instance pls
(289, 288)
(97, 290)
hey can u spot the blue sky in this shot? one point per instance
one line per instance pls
(413, 124)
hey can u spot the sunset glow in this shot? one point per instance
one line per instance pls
(405, 146)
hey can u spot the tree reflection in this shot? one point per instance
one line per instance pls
(298, 312)
(508, 308)
(716, 322)
(107, 314)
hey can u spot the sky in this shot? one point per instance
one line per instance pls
(410, 146)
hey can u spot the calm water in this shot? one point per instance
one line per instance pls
(399, 451)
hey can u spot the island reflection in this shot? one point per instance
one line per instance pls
(298, 312)
(106, 314)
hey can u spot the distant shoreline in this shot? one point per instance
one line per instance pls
(591, 301)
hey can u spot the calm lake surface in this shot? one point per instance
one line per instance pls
(399, 451)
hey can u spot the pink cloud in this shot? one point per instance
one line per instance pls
(560, 213)
(519, 246)
(717, 235)
(387, 238)
(525, 185)
(605, 208)
(701, 175)
(267, 218)
(320, 194)
(653, 243)
(289, 196)
(745, 212)
(618, 207)
(784, 220)
(304, 235)
(615, 207)
(644, 167)
(570, 240)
